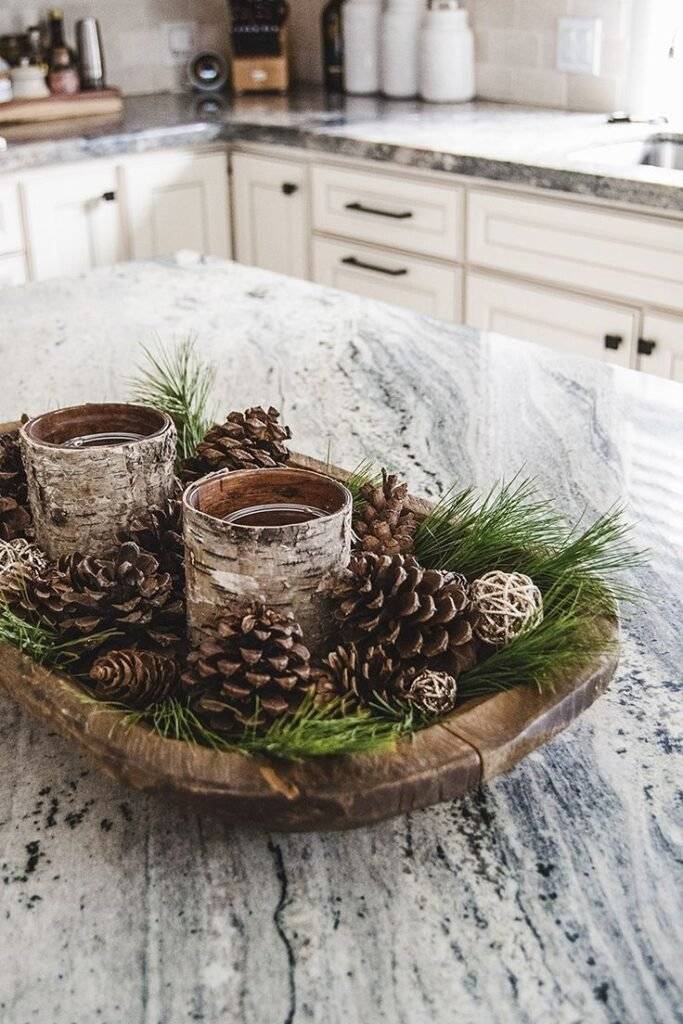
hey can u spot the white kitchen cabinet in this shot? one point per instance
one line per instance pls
(423, 217)
(11, 233)
(632, 257)
(12, 269)
(176, 201)
(660, 347)
(576, 325)
(73, 219)
(422, 285)
(270, 203)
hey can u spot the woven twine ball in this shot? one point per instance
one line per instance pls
(505, 604)
(433, 692)
(18, 555)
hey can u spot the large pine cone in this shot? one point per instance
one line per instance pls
(159, 530)
(382, 524)
(15, 516)
(251, 669)
(135, 678)
(250, 440)
(124, 590)
(394, 602)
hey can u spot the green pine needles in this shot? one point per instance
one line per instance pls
(179, 382)
(42, 643)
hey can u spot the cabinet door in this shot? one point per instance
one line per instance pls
(571, 324)
(12, 269)
(11, 234)
(430, 288)
(177, 201)
(660, 348)
(73, 220)
(270, 205)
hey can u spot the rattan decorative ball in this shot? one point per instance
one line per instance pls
(433, 693)
(18, 555)
(504, 604)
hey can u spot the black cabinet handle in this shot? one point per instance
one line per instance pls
(379, 213)
(353, 262)
(613, 340)
(289, 188)
(108, 197)
(645, 347)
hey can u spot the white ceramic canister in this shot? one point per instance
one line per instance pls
(5, 82)
(446, 54)
(360, 26)
(28, 82)
(398, 47)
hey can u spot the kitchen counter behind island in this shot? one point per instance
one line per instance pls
(553, 894)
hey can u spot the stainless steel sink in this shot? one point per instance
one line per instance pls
(656, 151)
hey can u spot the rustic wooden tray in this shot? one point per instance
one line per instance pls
(479, 740)
(57, 108)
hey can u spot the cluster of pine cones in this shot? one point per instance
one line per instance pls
(403, 631)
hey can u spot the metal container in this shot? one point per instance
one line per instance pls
(90, 55)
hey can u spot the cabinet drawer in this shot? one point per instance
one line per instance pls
(13, 269)
(594, 250)
(418, 216)
(418, 284)
(570, 324)
(11, 233)
(660, 349)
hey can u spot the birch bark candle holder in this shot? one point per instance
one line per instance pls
(271, 534)
(91, 469)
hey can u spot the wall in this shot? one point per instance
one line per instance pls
(516, 50)
(132, 33)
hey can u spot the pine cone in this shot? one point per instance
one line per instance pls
(15, 516)
(362, 673)
(251, 668)
(124, 590)
(159, 530)
(249, 440)
(382, 524)
(135, 678)
(392, 601)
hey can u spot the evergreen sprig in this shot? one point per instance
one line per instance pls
(42, 643)
(179, 382)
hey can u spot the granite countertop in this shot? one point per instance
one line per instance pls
(552, 894)
(505, 143)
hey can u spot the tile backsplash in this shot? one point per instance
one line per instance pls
(515, 40)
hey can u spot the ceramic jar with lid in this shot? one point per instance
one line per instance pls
(361, 28)
(446, 54)
(399, 37)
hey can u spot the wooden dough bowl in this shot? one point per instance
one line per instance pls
(479, 740)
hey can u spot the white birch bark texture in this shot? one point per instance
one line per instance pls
(284, 566)
(81, 497)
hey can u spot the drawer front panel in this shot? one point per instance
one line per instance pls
(12, 269)
(11, 233)
(573, 325)
(624, 255)
(401, 280)
(661, 347)
(420, 217)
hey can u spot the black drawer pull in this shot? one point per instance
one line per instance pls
(380, 213)
(645, 347)
(289, 188)
(353, 262)
(613, 340)
(108, 197)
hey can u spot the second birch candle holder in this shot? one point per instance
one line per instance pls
(91, 469)
(268, 534)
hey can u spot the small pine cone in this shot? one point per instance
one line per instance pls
(124, 590)
(251, 669)
(135, 678)
(383, 525)
(392, 601)
(362, 673)
(250, 440)
(159, 530)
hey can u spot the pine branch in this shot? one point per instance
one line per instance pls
(177, 381)
(42, 643)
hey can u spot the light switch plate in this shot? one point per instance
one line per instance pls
(578, 45)
(180, 41)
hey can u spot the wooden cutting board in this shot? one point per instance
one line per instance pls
(56, 108)
(479, 740)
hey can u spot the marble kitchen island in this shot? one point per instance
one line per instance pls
(552, 894)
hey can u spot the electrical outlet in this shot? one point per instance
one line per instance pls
(578, 45)
(180, 41)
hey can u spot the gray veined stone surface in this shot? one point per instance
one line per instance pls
(552, 895)
(495, 141)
